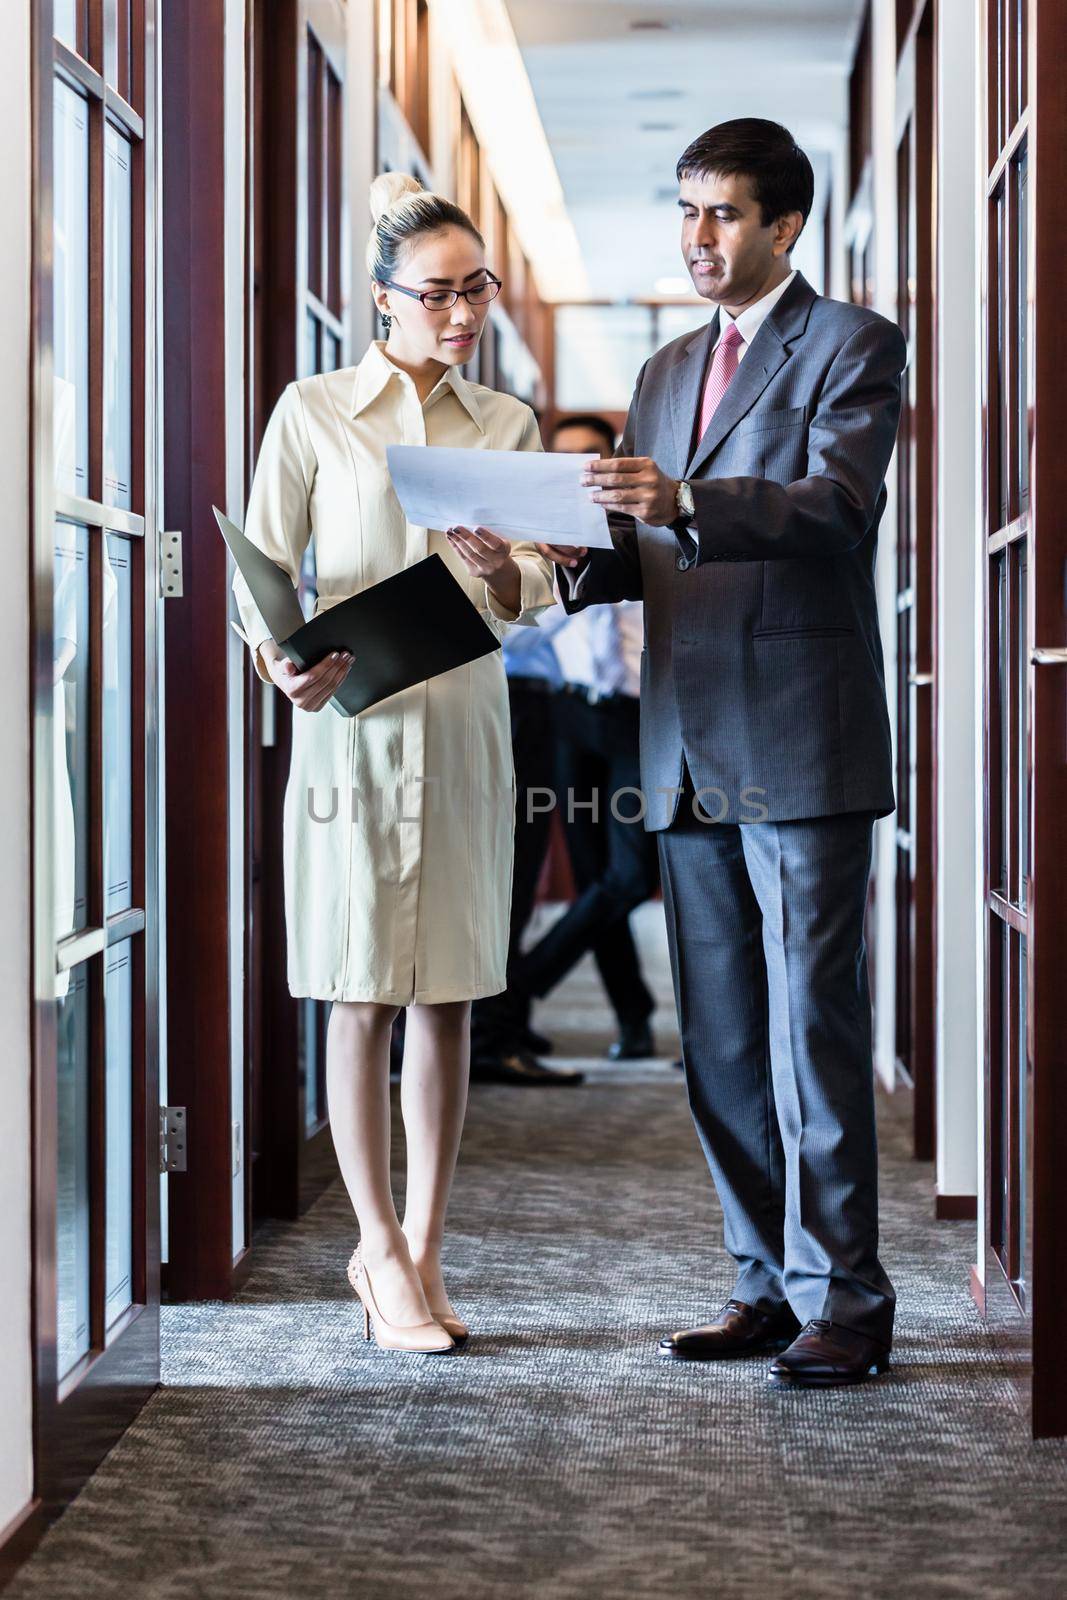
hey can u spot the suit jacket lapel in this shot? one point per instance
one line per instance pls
(769, 352)
(686, 387)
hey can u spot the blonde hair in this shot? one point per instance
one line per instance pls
(402, 209)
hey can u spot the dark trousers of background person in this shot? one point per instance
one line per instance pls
(498, 1021)
(614, 862)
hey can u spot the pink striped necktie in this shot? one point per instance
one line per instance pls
(724, 363)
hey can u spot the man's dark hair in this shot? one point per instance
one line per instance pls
(595, 424)
(766, 153)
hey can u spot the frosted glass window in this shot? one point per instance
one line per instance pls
(70, 310)
(117, 49)
(70, 727)
(65, 21)
(311, 347)
(599, 352)
(118, 724)
(119, 1069)
(674, 321)
(331, 352)
(118, 319)
(72, 1170)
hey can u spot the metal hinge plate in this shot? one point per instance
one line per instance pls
(170, 566)
(172, 1141)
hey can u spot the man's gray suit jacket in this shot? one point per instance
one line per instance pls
(762, 660)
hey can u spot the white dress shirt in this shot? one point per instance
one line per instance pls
(752, 317)
(601, 648)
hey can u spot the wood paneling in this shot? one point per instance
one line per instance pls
(200, 1262)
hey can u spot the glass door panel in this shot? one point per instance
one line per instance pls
(73, 1187)
(95, 857)
(117, 47)
(70, 283)
(118, 1095)
(118, 323)
(118, 724)
(65, 22)
(70, 728)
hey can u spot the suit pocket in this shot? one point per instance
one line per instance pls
(760, 421)
(802, 633)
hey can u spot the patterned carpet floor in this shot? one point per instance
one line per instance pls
(557, 1456)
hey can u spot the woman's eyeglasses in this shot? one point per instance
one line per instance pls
(479, 294)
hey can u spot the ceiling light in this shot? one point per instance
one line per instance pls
(496, 90)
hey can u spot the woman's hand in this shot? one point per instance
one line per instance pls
(486, 555)
(310, 690)
(564, 555)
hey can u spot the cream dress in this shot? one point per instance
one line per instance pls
(398, 823)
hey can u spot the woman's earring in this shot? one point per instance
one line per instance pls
(387, 321)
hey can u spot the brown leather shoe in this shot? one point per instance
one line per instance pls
(825, 1355)
(738, 1330)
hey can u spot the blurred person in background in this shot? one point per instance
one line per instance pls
(595, 729)
(574, 685)
(504, 1048)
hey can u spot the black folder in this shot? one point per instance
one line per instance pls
(408, 628)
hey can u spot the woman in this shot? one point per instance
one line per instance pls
(398, 824)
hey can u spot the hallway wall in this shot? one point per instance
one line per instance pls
(885, 277)
(959, 642)
(16, 1371)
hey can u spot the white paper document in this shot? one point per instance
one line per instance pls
(520, 494)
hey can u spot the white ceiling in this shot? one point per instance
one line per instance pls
(619, 104)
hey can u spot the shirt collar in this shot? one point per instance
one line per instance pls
(376, 370)
(752, 318)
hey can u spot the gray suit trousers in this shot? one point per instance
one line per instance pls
(765, 923)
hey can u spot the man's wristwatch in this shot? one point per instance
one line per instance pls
(686, 504)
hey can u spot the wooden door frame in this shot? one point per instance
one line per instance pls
(1035, 1341)
(1047, 1009)
(291, 1168)
(201, 1262)
(77, 1421)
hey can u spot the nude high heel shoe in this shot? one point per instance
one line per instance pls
(447, 1318)
(457, 1330)
(424, 1338)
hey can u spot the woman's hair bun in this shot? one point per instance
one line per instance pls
(389, 189)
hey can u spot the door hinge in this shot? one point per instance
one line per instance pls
(170, 566)
(172, 1140)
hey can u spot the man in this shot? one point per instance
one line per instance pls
(595, 715)
(745, 505)
(503, 1046)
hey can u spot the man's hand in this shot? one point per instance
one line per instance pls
(636, 485)
(564, 555)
